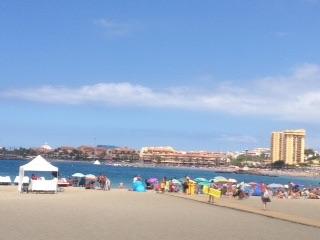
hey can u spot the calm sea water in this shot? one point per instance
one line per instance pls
(125, 174)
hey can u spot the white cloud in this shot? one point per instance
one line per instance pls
(294, 97)
(114, 28)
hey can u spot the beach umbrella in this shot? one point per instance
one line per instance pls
(182, 179)
(204, 183)
(90, 176)
(175, 181)
(220, 179)
(243, 184)
(275, 185)
(232, 180)
(252, 183)
(80, 175)
(200, 179)
(152, 180)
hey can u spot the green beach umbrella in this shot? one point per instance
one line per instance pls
(200, 179)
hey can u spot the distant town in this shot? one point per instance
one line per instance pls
(287, 150)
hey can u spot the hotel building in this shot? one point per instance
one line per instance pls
(171, 157)
(288, 146)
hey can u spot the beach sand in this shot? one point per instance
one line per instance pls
(120, 214)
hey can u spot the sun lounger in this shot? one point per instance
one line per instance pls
(5, 180)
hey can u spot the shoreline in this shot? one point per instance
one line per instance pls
(312, 174)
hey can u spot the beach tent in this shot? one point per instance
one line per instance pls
(38, 164)
(257, 190)
(138, 186)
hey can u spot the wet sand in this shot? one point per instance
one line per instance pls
(121, 214)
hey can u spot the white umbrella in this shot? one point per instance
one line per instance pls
(275, 185)
(232, 180)
(91, 176)
(80, 175)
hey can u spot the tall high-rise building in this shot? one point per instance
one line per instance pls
(288, 146)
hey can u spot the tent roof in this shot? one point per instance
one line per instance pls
(39, 164)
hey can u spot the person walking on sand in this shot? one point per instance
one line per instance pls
(265, 196)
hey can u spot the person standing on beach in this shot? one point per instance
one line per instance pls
(265, 196)
(185, 185)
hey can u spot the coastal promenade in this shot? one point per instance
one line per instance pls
(121, 214)
(301, 211)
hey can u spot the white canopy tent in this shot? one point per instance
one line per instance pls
(38, 164)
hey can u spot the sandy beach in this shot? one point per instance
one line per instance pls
(121, 214)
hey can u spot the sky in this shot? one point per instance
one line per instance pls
(195, 75)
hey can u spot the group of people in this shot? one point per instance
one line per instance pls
(101, 182)
(104, 182)
(239, 191)
(294, 192)
(167, 185)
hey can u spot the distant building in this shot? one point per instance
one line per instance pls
(87, 151)
(43, 149)
(170, 156)
(46, 147)
(258, 152)
(123, 154)
(288, 146)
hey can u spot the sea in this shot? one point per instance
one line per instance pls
(125, 174)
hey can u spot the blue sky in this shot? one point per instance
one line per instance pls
(196, 75)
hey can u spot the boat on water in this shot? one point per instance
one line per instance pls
(97, 162)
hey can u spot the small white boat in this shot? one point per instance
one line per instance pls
(96, 162)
